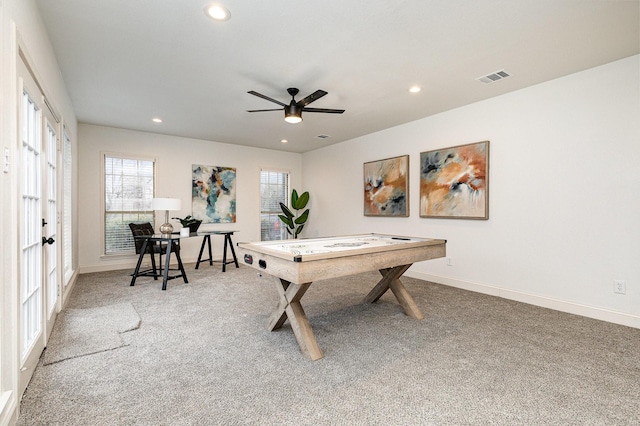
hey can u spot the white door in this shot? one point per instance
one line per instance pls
(51, 222)
(39, 296)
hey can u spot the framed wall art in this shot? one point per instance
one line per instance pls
(213, 194)
(454, 182)
(386, 187)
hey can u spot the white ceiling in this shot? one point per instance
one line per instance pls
(127, 61)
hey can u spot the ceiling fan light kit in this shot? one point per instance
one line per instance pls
(292, 114)
(293, 111)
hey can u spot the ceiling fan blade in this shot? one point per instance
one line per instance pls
(312, 97)
(260, 95)
(262, 110)
(327, 110)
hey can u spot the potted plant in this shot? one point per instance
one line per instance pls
(295, 221)
(189, 222)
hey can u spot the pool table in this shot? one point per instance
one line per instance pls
(297, 263)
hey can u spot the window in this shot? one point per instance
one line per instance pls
(128, 191)
(67, 238)
(274, 189)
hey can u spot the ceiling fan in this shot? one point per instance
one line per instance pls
(293, 111)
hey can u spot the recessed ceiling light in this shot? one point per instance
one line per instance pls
(414, 89)
(217, 12)
(156, 120)
(284, 141)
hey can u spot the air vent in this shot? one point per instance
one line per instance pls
(490, 78)
(323, 136)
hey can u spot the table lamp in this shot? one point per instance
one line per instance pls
(166, 204)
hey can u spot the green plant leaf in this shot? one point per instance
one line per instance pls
(286, 211)
(294, 199)
(186, 221)
(286, 220)
(301, 202)
(299, 230)
(303, 217)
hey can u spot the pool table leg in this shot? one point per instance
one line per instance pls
(391, 280)
(289, 307)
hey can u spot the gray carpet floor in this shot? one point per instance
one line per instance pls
(201, 355)
(81, 332)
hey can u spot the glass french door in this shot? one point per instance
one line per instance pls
(39, 280)
(50, 224)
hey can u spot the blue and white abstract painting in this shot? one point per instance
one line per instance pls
(213, 194)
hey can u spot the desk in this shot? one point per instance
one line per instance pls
(169, 239)
(295, 264)
(227, 243)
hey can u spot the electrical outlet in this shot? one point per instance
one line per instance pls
(619, 287)
(449, 261)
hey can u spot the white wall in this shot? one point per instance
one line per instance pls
(564, 204)
(174, 158)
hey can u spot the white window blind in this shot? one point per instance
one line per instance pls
(128, 191)
(274, 189)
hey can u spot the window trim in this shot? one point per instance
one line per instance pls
(128, 156)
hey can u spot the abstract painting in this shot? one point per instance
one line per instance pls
(213, 194)
(454, 182)
(386, 187)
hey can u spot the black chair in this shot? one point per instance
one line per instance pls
(153, 247)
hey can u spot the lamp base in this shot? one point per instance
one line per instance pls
(166, 228)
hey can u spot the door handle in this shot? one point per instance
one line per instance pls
(46, 240)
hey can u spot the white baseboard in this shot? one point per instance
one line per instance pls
(533, 299)
(106, 268)
(69, 287)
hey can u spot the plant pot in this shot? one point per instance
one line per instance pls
(193, 227)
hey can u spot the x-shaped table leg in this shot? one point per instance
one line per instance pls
(391, 280)
(289, 307)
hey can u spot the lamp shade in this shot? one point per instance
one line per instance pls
(166, 204)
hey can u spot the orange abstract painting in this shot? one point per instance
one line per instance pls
(386, 187)
(454, 182)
